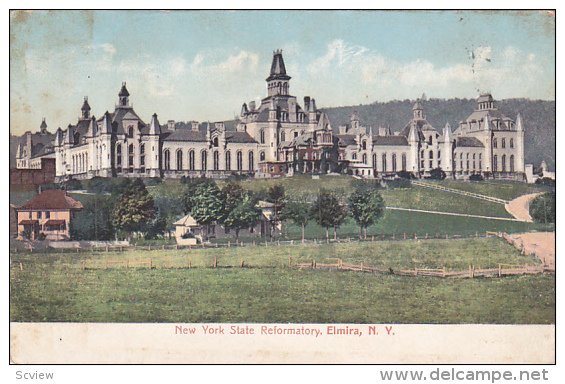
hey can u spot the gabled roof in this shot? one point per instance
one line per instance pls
(346, 139)
(390, 140)
(239, 137)
(183, 134)
(186, 221)
(52, 199)
(465, 141)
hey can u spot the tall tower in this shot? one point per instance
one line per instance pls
(85, 109)
(278, 80)
(418, 111)
(43, 127)
(123, 96)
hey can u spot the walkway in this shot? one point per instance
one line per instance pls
(519, 207)
(458, 191)
(542, 244)
(453, 214)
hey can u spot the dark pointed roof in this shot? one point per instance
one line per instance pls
(85, 105)
(43, 124)
(124, 90)
(278, 69)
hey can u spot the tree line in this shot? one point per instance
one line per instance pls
(130, 209)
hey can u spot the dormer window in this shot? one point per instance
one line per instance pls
(130, 131)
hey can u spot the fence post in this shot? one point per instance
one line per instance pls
(21, 267)
(444, 271)
(229, 244)
(289, 262)
(404, 235)
(415, 271)
(361, 266)
(426, 236)
(215, 262)
(107, 249)
(499, 270)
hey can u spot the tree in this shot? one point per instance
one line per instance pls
(207, 204)
(233, 195)
(297, 211)
(94, 221)
(366, 207)
(542, 208)
(243, 215)
(276, 195)
(134, 208)
(328, 212)
(191, 185)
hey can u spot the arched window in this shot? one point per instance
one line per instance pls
(283, 136)
(495, 163)
(354, 156)
(394, 162)
(364, 145)
(167, 160)
(262, 136)
(251, 162)
(511, 163)
(262, 156)
(239, 158)
(216, 160)
(179, 159)
(76, 138)
(494, 143)
(430, 140)
(404, 161)
(431, 154)
(511, 143)
(191, 160)
(364, 158)
(130, 131)
(228, 161)
(503, 163)
(374, 161)
(142, 148)
(119, 155)
(130, 158)
(383, 162)
(204, 160)
(130, 149)
(215, 142)
(503, 142)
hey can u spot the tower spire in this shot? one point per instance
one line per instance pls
(278, 80)
(123, 96)
(85, 109)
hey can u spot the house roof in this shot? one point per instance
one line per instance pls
(52, 199)
(186, 221)
(239, 137)
(347, 139)
(469, 142)
(55, 222)
(28, 222)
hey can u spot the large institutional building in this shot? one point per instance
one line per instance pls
(275, 138)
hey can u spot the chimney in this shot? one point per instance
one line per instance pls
(171, 125)
(313, 105)
(195, 126)
(306, 103)
(342, 129)
(252, 106)
(382, 131)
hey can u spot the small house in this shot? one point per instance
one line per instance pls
(47, 216)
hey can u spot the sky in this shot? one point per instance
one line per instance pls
(202, 65)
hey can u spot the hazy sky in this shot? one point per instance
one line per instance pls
(204, 65)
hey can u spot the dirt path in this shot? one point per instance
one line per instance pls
(542, 244)
(452, 214)
(519, 207)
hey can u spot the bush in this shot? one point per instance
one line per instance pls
(437, 174)
(152, 181)
(398, 183)
(406, 175)
(476, 177)
(542, 208)
(188, 235)
(72, 184)
(546, 181)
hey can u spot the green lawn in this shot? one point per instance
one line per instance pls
(53, 287)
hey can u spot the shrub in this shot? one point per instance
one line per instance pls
(542, 208)
(406, 175)
(476, 177)
(398, 183)
(546, 181)
(152, 181)
(437, 174)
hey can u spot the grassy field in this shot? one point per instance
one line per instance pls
(55, 288)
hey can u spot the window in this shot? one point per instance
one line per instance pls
(215, 142)
(204, 160)
(431, 154)
(438, 154)
(251, 162)
(295, 134)
(179, 160)
(511, 143)
(130, 131)
(142, 160)
(262, 136)
(191, 160)
(383, 162)
(473, 156)
(142, 148)
(167, 160)
(239, 158)
(480, 165)
(430, 140)
(494, 143)
(503, 163)
(495, 163)
(461, 156)
(130, 149)
(404, 161)
(47, 215)
(354, 156)
(374, 161)
(503, 143)
(228, 161)
(216, 160)
(39, 214)
(394, 162)
(364, 158)
(283, 136)
(364, 145)
(511, 163)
